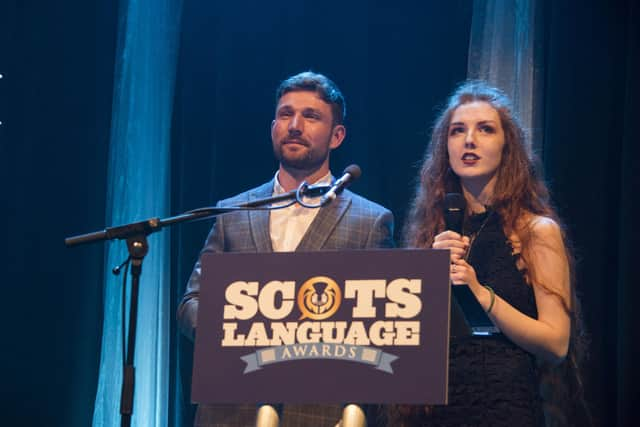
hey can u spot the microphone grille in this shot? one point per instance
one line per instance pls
(454, 202)
(454, 206)
(354, 171)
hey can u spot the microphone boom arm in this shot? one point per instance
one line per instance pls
(152, 225)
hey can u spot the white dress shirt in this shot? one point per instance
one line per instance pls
(288, 225)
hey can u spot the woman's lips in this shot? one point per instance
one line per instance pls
(470, 159)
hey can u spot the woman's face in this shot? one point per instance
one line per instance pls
(475, 143)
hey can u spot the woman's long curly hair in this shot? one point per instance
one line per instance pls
(519, 196)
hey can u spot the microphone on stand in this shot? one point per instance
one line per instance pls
(351, 173)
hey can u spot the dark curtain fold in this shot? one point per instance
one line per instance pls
(56, 62)
(591, 111)
(629, 240)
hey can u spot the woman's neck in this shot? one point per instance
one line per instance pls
(477, 194)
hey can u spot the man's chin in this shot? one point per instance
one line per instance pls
(297, 162)
(301, 165)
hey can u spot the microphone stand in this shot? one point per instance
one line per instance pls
(136, 234)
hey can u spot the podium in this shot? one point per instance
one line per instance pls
(323, 327)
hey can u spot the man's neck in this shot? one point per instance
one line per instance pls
(290, 180)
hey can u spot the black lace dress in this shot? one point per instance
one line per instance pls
(492, 381)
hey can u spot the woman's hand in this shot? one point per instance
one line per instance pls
(453, 241)
(463, 272)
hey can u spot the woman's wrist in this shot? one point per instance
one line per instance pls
(492, 298)
(485, 295)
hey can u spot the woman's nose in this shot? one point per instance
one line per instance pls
(468, 139)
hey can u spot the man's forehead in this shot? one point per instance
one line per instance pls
(302, 99)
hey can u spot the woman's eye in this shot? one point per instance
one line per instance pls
(456, 130)
(487, 129)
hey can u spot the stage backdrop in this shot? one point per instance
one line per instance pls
(395, 63)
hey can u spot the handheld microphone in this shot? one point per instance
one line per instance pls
(351, 173)
(454, 206)
(467, 315)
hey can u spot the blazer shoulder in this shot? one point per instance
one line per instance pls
(361, 203)
(264, 190)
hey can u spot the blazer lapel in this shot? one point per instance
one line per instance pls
(259, 220)
(323, 224)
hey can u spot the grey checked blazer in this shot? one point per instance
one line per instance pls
(349, 222)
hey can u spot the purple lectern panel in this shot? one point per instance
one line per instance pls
(323, 327)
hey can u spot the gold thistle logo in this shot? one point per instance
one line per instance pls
(319, 298)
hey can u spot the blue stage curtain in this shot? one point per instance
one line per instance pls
(507, 50)
(139, 188)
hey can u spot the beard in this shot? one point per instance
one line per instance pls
(306, 158)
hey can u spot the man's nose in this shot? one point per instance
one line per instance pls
(295, 124)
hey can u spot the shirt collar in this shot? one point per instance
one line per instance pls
(278, 189)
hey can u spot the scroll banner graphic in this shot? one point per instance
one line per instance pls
(289, 327)
(371, 356)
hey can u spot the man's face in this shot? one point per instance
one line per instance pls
(303, 133)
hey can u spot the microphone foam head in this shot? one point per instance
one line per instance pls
(354, 171)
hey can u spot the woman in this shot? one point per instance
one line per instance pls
(513, 255)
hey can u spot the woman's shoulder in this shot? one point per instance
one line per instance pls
(539, 225)
(544, 226)
(542, 230)
(536, 228)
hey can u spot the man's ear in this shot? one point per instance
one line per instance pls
(337, 136)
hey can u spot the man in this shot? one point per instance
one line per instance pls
(308, 125)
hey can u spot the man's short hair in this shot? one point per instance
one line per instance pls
(321, 85)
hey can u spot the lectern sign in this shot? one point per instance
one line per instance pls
(349, 326)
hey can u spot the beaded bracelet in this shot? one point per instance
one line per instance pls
(493, 298)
